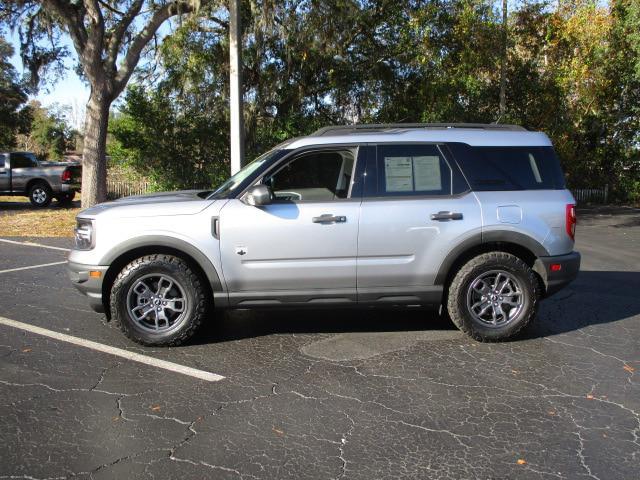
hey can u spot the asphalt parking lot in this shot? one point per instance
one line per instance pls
(328, 394)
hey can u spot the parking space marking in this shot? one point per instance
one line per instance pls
(32, 266)
(33, 244)
(118, 352)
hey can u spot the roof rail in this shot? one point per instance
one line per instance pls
(371, 128)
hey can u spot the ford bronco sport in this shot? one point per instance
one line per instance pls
(472, 219)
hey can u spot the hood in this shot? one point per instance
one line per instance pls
(185, 202)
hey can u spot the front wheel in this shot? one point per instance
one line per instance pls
(493, 296)
(158, 300)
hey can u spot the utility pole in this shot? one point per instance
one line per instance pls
(503, 63)
(235, 87)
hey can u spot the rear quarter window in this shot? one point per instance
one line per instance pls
(510, 168)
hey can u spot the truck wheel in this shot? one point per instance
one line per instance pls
(493, 296)
(40, 194)
(158, 300)
(66, 198)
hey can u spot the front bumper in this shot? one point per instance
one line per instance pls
(91, 286)
(557, 278)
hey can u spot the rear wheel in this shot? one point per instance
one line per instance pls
(493, 296)
(66, 198)
(158, 300)
(40, 194)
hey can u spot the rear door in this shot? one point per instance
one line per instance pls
(22, 164)
(302, 247)
(416, 208)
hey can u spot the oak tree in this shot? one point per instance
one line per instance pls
(108, 37)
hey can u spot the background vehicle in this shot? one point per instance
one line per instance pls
(22, 174)
(471, 219)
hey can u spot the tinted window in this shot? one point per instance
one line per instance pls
(22, 160)
(1, 160)
(412, 170)
(317, 176)
(511, 168)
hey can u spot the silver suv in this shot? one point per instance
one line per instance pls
(472, 219)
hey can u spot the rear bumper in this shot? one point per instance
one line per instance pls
(558, 278)
(70, 187)
(91, 286)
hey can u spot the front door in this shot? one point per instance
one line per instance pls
(415, 209)
(5, 171)
(302, 247)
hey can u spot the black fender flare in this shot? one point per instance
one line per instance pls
(479, 239)
(150, 241)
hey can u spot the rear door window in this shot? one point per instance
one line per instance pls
(412, 170)
(510, 168)
(22, 160)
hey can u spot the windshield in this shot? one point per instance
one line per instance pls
(223, 190)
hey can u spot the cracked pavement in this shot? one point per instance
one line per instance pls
(331, 394)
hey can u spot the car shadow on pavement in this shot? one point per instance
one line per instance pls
(595, 297)
(241, 324)
(616, 294)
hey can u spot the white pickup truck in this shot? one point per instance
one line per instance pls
(22, 174)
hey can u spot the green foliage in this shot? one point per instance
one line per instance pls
(573, 71)
(13, 118)
(175, 149)
(49, 135)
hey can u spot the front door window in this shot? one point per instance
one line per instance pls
(314, 176)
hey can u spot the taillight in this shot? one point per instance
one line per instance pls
(571, 220)
(66, 176)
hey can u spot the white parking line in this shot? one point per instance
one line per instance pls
(32, 244)
(32, 266)
(118, 352)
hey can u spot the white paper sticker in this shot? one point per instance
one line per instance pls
(398, 174)
(427, 173)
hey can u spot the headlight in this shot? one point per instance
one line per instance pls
(85, 236)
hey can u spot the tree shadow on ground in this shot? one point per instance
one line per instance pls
(10, 207)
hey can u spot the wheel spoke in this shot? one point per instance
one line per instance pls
(157, 302)
(145, 309)
(494, 298)
(175, 304)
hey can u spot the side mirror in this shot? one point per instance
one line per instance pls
(259, 195)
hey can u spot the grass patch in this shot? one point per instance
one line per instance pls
(39, 223)
(14, 199)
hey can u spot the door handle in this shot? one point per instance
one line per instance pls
(442, 216)
(328, 218)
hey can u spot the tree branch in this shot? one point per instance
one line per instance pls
(73, 22)
(109, 7)
(115, 38)
(133, 53)
(96, 34)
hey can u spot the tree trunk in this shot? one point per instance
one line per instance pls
(94, 162)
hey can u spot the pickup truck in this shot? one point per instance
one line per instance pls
(21, 173)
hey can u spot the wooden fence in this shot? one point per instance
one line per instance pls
(117, 188)
(591, 195)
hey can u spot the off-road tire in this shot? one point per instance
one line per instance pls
(194, 288)
(457, 296)
(40, 194)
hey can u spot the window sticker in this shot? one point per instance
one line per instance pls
(398, 173)
(426, 171)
